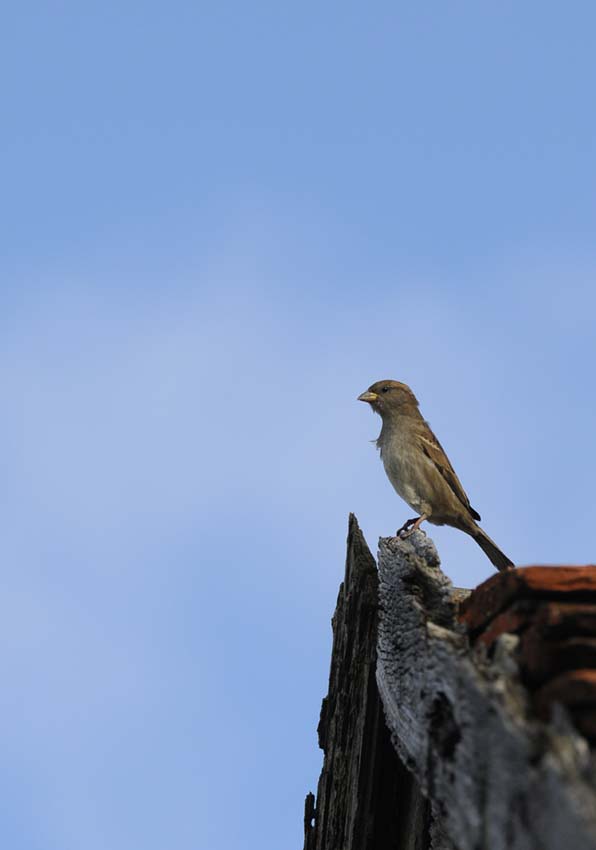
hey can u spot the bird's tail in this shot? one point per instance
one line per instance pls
(490, 549)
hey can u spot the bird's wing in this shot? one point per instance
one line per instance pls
(436, 454)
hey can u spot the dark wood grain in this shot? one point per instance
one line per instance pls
(366, 799)
(448, 723)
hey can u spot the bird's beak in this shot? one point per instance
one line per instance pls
(367, 396)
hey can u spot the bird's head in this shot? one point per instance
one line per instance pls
(389, 397)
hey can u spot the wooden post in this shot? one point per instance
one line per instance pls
(366, 799)
(440, 728)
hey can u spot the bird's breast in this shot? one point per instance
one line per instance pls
(399, 466)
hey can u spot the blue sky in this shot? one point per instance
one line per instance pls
(221, 223)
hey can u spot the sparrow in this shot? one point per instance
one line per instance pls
(419, 469)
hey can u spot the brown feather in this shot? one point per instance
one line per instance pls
(435, 452)
(419, 469)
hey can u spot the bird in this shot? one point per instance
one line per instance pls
(419, 469)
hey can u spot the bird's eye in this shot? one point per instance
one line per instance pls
(385, 389)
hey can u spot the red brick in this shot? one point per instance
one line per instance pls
(496, 594)
(514, 619)
(567, 618)
(575, 688)
(540, 658)
(585, 720)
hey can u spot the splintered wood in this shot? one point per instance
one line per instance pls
(455, 720)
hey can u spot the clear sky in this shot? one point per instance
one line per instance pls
(220, 223)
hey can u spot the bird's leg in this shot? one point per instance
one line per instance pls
(406, 525)
(405, 530)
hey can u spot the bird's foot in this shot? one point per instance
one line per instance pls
(403, 531)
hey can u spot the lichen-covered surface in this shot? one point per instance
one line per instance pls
(464, 723)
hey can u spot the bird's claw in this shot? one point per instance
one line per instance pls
(405, 530)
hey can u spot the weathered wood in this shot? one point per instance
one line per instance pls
(366, 799)
(476, 750)
(463, 723)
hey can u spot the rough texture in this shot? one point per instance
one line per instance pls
(497, 592)
(453, 717)
(554, 616)
(366, 799)
(464, 724)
